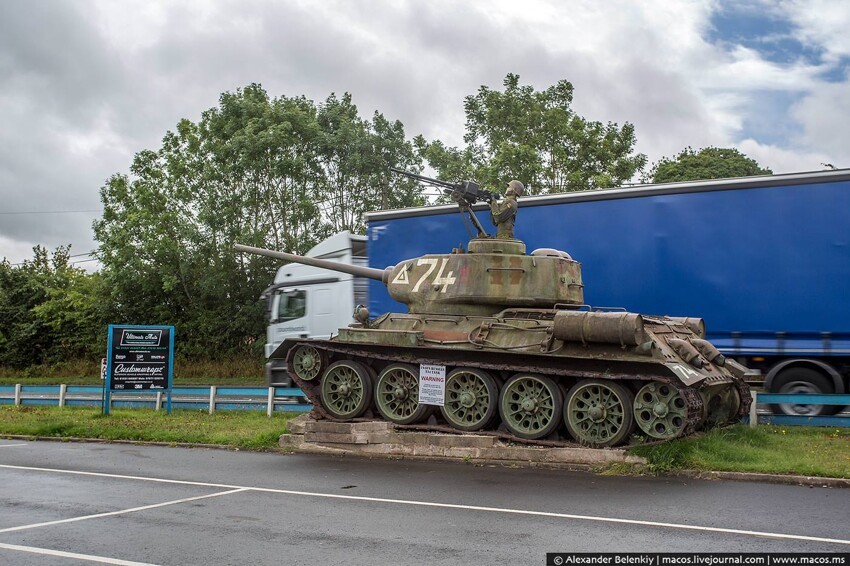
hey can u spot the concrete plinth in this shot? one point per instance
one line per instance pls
(372, 439)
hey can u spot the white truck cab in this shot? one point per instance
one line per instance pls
(307, 301)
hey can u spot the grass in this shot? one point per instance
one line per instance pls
(809, 451)
(235, 372)
(240, 429)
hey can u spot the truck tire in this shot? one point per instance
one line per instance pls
(802, 380)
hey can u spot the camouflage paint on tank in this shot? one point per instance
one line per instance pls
(485, 282)
(511, 328)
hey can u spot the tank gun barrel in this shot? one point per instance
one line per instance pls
(356, 270)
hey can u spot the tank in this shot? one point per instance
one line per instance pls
(522, 354)
(519, 352)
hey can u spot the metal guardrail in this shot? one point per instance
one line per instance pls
(798, 399)
(211, 398)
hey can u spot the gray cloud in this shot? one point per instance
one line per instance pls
(86, 84)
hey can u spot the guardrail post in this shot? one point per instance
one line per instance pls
(212, 398)
(158, 400)
(17, 394)
(63, 389)
(754, 419)
(270, 408)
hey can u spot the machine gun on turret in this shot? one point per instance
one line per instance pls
(465, 194)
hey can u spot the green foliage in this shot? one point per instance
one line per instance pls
(276, 173)
(355, 156)
(51, 311)
(707, 163)
(536, 137)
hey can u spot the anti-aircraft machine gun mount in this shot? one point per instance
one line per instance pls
(465, 194)
(523, 356)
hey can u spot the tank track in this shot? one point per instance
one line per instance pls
(746, 397)
(693, 399)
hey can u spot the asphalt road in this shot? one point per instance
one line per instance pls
(121, 504)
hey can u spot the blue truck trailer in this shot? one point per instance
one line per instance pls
(764, 260)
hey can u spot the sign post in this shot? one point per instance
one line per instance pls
(139, 359)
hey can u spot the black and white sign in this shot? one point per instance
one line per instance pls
(140, 358)
(432, 384)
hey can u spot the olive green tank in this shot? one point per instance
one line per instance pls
(520, 352)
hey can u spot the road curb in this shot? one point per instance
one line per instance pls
(133, 442)
(810, 481)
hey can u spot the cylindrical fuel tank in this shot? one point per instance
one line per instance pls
(622, 328)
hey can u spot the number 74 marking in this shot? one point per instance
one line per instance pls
(444, 282)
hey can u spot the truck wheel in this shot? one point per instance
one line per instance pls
(802, 380)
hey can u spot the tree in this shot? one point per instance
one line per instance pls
(277, 173)
(537, 138)
(52, 311)
(355, 156)
(707, 163)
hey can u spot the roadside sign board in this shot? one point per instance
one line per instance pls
(139, 359)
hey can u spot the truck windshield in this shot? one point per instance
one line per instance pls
(291, 305)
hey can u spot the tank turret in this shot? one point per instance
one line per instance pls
(521, 353)
(488, 277)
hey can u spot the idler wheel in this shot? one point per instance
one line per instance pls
(660, 411)
(530, 406)
(599, 413)
(308, 362)
(471, 399)
(397, 395)
(346, 389)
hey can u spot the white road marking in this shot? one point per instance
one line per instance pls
(63, 554)
(11, 445)
(590, 518)
(119, 476)
(121, 512)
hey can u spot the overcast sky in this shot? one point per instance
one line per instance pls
(84, 85)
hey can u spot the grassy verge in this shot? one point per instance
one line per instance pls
(808, 451)
(248, 372)
(242, 429)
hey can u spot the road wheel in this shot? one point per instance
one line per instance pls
(660, 411)
(308, 362)
(346, 389)
(397, 395)
(599, 413)
(530, 406)
(472, 398)
(801, 380)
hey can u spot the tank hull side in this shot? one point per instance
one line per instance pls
(519, 343)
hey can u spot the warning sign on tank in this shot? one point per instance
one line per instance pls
(432, 384)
